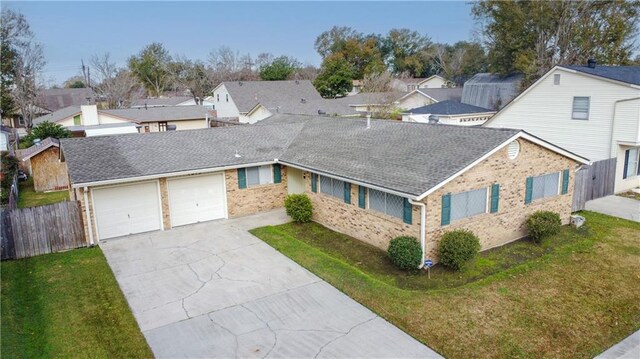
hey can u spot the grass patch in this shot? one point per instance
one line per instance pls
(574, 295)
(66, 305)
(28, 197)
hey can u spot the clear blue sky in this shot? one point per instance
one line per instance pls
(71, 31)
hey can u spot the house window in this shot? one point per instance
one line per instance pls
(386, 203)
(162, 126)
(468, 204)
(227, 97)
(580, 108)
(21, 121)
(332, 187)
(545, 186)
(76, 120)
(556, 79)
(631, 163)
(218, 97)
(259, 175)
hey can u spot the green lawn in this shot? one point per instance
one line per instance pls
(573, 296)
(66, 305)
(28, 197)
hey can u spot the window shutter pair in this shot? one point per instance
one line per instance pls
(277, 174)
(347, 192)
(528, 194)
(314, 183)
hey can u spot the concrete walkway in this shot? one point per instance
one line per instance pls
(214, 290)
(626, 349)
(627, 208)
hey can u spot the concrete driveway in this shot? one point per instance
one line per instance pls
(214, 290)
(617, 206)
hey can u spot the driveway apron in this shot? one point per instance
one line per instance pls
(214, 290)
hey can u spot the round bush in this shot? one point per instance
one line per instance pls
(458, 247)
(542, 224)
(405, 252)
(299, 207)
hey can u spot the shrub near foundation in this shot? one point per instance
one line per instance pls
(542, 224)
(405, 252)
(458, 247)
(299, 207)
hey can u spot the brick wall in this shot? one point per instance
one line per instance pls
(254, 199)
(164, 202)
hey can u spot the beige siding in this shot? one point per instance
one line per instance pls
(434, 82)
(413, 101)
(545, 111)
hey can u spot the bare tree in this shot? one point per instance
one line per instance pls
(308, 72)
(380, 82)
(227, 65)
(193, 76)
(116, 86)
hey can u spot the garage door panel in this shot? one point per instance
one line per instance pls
(125, 210)
(196, 199)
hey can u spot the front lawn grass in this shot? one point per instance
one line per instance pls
(573, 296)
(28, 197)
(66, 305)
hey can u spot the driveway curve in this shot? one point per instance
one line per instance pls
(214, 290)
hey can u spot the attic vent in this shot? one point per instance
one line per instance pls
(514, 149)
(556, 79)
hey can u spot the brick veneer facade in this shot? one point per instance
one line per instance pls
(254, 199)
(494, 229)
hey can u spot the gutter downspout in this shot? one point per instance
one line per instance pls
(423, 217)
(88, 214)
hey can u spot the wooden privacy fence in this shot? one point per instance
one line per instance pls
(29, 232)
(595, 181)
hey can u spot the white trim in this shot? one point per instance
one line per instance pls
(520, 134)
(170, 174)
(411, 93)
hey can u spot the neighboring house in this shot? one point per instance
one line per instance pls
(427, 96)
(7, 138)
(593, 111)
(17, 121)
(369, 102)
(491, 90)
(43, 162)
(449, 113)
(410, 84)
(89, 120)
(56, 99)
(373, 180)
(171, 101)
(253, 101)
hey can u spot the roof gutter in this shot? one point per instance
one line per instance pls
(169, 174)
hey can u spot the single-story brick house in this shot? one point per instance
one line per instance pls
(373, 180)
(42, 161)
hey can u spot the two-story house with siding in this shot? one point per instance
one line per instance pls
(591, 110)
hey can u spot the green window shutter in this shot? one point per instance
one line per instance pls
(362, 196)
(277, 174)
(314, 183)
(242, 178)
(565, 181)
(495, 197)
(347, 192)
(446, 209)
(529, 190)
(407, 213)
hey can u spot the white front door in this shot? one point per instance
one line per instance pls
(128, 209)
(295, 180)
(196, 199)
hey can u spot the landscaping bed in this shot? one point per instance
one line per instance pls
(28, 197)
(66, 305)
(574, 295)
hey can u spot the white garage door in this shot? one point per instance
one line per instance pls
(196, 199)
(129, 209)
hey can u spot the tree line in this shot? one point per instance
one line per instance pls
(527, 37)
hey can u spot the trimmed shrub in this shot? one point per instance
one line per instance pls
(458, 247)
(299, 207)
(405, 252)
(542, 224)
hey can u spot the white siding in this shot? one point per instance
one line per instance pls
(224, 109)
(433, 82)
(545, 111)
(413, 101)
(258, 115)
(626, 127)
(623, 185)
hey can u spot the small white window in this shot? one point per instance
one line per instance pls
(332, 187)
(546, 186)
(468, 204)
(556, 79)
(513, 149)
(259, 175)
(386, 203)
(580, 108)
(632, 163)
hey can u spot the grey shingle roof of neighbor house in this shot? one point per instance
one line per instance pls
(371, 98)
(167, 113)
(101, 158)
(161, 101)
(58, 115)
(628, 74)
(56, 99)
(443, 94)
(407, 158)
(271, 94)
(449, 108)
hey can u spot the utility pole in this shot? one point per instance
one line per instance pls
(84, 72)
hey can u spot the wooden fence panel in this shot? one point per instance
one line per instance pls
(595, 181)
(43, 229)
